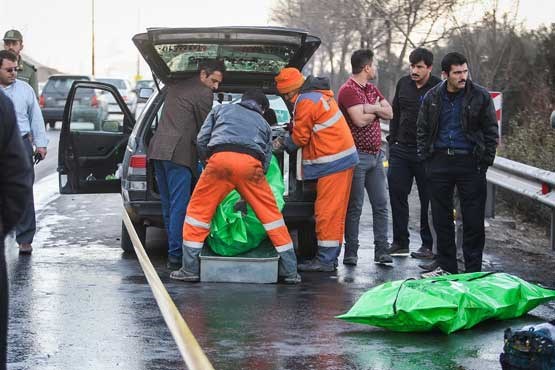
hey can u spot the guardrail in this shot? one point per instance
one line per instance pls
(519, 178)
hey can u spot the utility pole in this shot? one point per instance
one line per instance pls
(92, 24)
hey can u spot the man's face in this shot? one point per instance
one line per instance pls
(457, 76)
(212, 80)
(13, 45)
(8, 72)
(419, 71)
(371, 71)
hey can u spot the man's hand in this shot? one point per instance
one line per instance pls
(371, 108)
(42, 152)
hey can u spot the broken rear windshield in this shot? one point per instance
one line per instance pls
(237, 58)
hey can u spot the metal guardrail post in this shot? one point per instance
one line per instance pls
(490, 200)
(552, 231)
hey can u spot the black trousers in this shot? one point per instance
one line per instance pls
(403, 168)
(3, 303)
(444, 172)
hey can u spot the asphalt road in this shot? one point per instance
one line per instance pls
(80, 303)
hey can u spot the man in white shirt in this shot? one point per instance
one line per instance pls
(31, 127)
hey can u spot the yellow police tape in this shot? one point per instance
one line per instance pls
(188, 346)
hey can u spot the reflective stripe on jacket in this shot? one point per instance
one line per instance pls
(322, 131)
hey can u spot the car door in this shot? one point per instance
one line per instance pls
(93, 139)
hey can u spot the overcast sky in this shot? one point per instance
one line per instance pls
(57, 33)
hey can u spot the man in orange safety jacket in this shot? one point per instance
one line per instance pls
(236, 142)
(328, 154)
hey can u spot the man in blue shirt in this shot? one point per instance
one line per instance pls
(456, 140)
(31, 127)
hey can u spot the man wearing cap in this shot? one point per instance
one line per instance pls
(32, 130)
(328, 155)
(13, 41)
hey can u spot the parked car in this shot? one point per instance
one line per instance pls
(52, 99)
(126, 91)
(253, 56)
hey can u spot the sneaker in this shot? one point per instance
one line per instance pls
(350, 261)
(423, 252)
(290, 279)
(383, 258)
(25, 248)
(315, 266)
(435, 273)
(431, 266)
(184, 276)
(397, 250)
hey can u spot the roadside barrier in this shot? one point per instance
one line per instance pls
(532, 182)
(190, 350)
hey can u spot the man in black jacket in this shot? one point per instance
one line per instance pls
(404, 165)
(14, 190)
(457, 136)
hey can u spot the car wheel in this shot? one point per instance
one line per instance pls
(126, 243)
(308, 244)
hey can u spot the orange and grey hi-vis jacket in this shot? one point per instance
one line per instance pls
(321, 130)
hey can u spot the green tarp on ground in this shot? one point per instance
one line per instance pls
(231, 231)
(448, 303)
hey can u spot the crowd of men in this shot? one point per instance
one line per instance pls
(443, 135)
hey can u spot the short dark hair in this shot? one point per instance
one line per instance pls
(9, 55)
(258, 96)
(361, 58)
(421, 55)
(211, 65)
(452, 59)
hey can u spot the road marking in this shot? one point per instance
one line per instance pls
(190, 350)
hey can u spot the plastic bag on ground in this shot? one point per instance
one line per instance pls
(232, 232)
(448, 303)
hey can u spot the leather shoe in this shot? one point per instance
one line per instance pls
(423, 252)
(25, 248)
(434, 264)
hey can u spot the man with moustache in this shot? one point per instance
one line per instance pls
(403, 162)
(13, 41)
(456, 140)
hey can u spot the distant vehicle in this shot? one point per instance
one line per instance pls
(53, 96)
(113, 161)
(143, 84)
(125, 90)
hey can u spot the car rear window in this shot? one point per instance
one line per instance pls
(61, 84)
(237, 58)
(118, 83)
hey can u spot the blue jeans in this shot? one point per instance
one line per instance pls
(174, 184)
(370, 175)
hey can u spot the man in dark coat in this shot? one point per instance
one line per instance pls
(173, 147)
(14, 191)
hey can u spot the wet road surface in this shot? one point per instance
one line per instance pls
(80, 303)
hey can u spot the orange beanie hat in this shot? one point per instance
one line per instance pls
(289, 79)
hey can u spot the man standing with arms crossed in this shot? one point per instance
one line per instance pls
(13, 41)
(456, 138)
(403, 162)
(173, 148)
(31, 127)
(363, 105)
